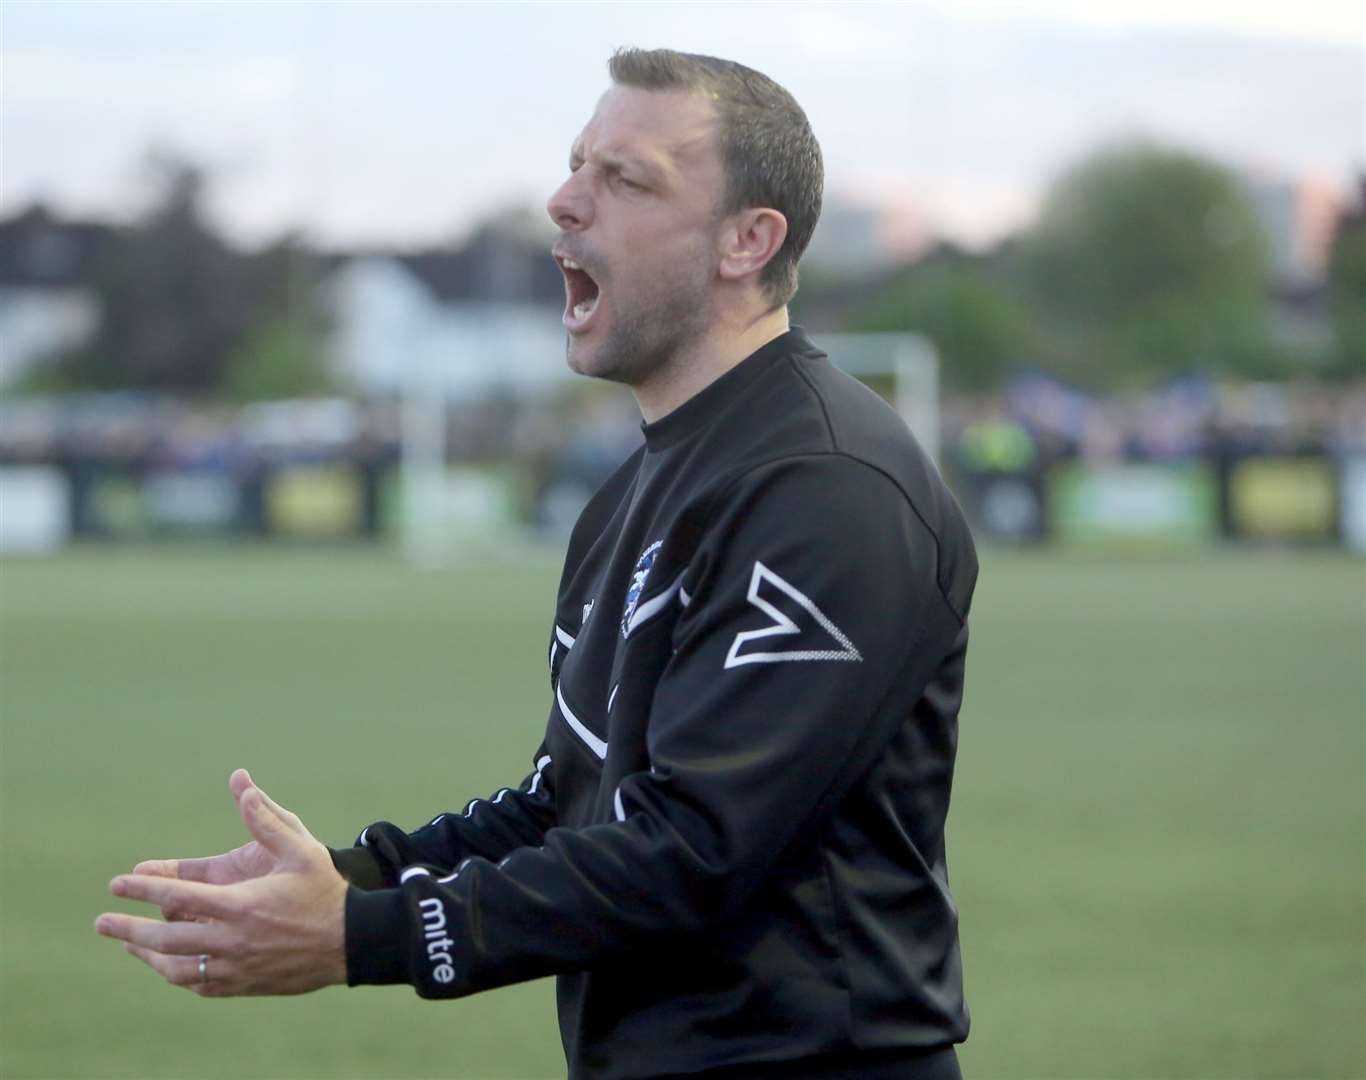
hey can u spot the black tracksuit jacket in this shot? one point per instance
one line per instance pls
(731, 848)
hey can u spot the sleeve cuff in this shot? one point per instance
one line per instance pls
(361, 867)
(374, 933)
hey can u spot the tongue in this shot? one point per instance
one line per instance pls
(583, 294)
(586, 289)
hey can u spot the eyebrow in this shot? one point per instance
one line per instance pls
(620, 162)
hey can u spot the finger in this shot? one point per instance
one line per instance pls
(159, 867)
(176, 939)
(266, 827)
(176, 970)
(287, 816)
(186, 898)
(184, 869)
(167, 868)
(239, 781)
(195, 869)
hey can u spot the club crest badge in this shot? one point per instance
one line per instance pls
(638, 577)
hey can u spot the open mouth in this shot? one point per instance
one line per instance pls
(581, 294)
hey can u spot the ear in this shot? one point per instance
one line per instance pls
(749, 239)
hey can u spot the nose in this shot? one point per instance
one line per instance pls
(571, 207)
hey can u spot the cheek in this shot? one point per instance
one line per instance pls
(659, 260)
(674, 256)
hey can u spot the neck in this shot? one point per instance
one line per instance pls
(714, 354)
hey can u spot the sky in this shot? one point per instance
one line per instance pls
(405, 123)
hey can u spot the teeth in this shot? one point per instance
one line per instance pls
(570, 264)
(583, 307)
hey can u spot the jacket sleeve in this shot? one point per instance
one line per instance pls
(488, 828)
(813, 620)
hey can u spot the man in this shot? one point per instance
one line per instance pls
(731, 848)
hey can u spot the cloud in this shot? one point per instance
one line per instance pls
(365, 121)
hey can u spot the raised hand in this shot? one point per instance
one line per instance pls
(262, 921)
(250, 860)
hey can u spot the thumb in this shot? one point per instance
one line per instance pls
(265, 825)
(239, 781)
(289, 817)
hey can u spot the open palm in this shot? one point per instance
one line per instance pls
(244, 863)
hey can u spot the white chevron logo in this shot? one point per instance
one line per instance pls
(783, 626)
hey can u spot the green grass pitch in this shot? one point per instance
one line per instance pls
(1158, 835)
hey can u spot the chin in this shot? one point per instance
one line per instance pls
(584, 359)
(594, 361)
(578, 357)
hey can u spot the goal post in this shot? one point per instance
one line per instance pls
(908, 362)
(525, 350)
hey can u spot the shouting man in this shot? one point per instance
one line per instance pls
(731, 847)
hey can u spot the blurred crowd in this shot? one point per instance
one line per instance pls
(1036, 418)
(1042, 420)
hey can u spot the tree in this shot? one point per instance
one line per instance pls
(282, 357)
(174, 299)
(1347, 290)
(283, 353)
(1147, 262)
(979, 329)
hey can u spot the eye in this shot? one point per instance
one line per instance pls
(630, 185)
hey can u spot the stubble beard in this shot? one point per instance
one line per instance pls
(647, 339)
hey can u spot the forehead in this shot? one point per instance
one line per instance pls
(663, 127)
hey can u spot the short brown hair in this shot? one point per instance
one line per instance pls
(770, 155)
